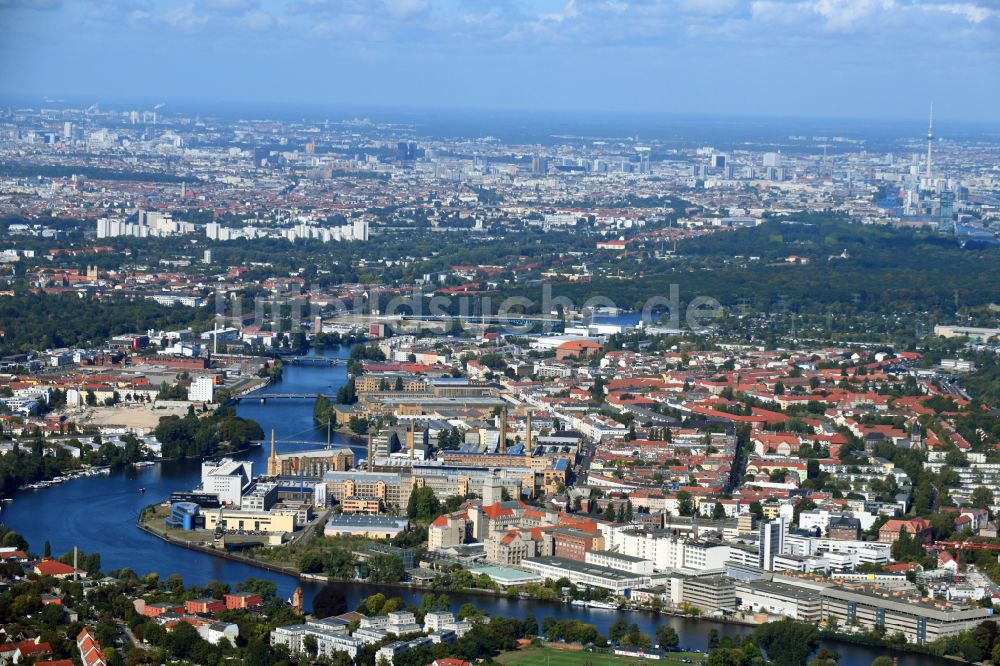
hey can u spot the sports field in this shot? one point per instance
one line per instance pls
(546, 656)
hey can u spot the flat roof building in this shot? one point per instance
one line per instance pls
(580, 573)
(375, 527)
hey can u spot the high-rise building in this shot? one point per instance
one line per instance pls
(360, 230)
(406, 151)
(202, 389)
(946, 212)
(643, 158)
(772, 542)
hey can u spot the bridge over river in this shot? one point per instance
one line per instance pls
(264, 398)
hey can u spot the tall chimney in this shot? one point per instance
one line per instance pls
(410, 442)
(371, 460)
(74, 563)
(527, 435)
(503, 430)
(272, 461)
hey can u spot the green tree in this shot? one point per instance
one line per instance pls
(982, 498)
(617, 631)
(385, 569)
(905, 549)
(322, 410)
(340, 563)
(181, 640)
(265, 589)
(597, 390)
(347, 395)
(310, 646)
(14, 540)
(685, 504)
(423, 504)
(310, 562)
(666, 636)
(787, 643)
(468, 610)
(825, 658)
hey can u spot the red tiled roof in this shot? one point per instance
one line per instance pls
(53, 568)
(31, 648)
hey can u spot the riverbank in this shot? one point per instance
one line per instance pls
(654, 617)
(347, 432)
(215, 552)
(62, 477)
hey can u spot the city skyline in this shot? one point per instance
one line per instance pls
(850, 59)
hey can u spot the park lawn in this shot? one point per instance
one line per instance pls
(545, 656)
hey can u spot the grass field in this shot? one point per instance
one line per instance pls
(546, 656)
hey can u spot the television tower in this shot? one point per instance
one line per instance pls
(930, 138)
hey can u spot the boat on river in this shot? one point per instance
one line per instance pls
(603, 605)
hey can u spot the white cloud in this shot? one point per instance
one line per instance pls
(569, 11)
(405, 9)
(876, 16)
(971, 12)
(847, 14)
(708, 7)
(259, 21)
(185, 17)
(231, 6)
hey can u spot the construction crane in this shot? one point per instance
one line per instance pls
(958, 547)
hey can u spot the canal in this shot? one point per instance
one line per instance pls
(98, 514)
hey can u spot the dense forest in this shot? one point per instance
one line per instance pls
(852, 281)
(44, 321)
(850, 267)
(984, 384)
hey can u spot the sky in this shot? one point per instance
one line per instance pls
(780, 58)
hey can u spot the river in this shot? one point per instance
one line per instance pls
(98, 514)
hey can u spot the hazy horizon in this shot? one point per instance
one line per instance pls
(850, 59)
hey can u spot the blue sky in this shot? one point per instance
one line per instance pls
(847, 58)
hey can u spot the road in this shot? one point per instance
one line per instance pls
(311, 527)
(128, 638)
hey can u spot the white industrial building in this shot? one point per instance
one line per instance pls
(226, 478)
(202, 389)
